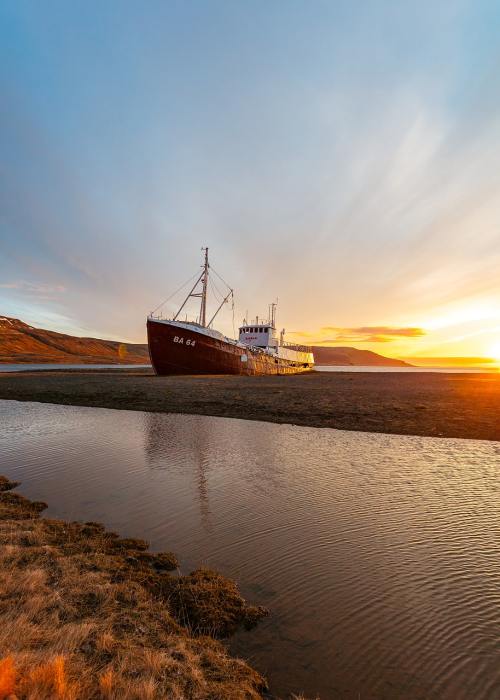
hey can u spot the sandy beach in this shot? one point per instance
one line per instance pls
(433, 404)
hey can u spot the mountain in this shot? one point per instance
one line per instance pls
(353, 356)
(20, 343)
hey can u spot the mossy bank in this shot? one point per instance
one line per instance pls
(86, 614)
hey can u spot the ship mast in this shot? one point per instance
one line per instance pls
(203, 278)
(204, 281)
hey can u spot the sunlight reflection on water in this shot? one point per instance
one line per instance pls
(378, 555)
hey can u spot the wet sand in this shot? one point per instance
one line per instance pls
(448, 405)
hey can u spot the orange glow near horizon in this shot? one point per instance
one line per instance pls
(466, 334)
(477, 362)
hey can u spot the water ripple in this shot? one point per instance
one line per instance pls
(378, 555)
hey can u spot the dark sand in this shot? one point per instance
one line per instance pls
(450, 405)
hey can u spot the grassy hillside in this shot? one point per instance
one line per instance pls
(353, 356)
(21, 343)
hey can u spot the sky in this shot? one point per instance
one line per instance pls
(341, 157)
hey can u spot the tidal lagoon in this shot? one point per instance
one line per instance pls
(378, 555)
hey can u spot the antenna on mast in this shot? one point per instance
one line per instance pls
(204, 281)
(273, 312)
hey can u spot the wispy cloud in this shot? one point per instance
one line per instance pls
(410, 332)
(355, 175)
(40, 294)
(365, 334)
(333, 335)
(34, 289)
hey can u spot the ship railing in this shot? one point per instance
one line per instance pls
(262, 351)
(158, 317)
(296, 346)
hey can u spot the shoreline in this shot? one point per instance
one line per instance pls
(426, 404)
(89, 614)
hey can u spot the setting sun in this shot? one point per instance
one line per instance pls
(494, 351)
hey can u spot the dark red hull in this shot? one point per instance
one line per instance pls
(179, 350)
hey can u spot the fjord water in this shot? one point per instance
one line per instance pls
(378, 555)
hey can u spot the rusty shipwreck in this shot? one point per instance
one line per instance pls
(195, 347)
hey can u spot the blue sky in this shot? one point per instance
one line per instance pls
(342, 156)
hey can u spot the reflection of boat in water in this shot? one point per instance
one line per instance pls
(194, 347)
(180, 445)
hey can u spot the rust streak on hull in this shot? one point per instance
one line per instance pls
(199, 353)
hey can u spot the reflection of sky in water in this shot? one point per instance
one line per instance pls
(378, 555)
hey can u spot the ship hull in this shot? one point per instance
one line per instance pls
(176, 349)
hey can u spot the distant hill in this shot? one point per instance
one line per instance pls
(20, 343)
(352, 356)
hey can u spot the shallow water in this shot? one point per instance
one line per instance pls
(378, 555)
(60, 366)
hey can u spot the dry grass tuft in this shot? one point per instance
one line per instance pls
(48, 680)
(6, 484)
(7, 677)
(208, 603)
(85, 614)
(107, 683)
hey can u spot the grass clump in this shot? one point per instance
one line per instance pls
(209, 603)
(86, 614)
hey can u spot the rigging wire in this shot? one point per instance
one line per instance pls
(221, 298)
(232, 297)
(221, 279)
(176, 292)
(232, 307)
(215, 290)
(212, 289)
